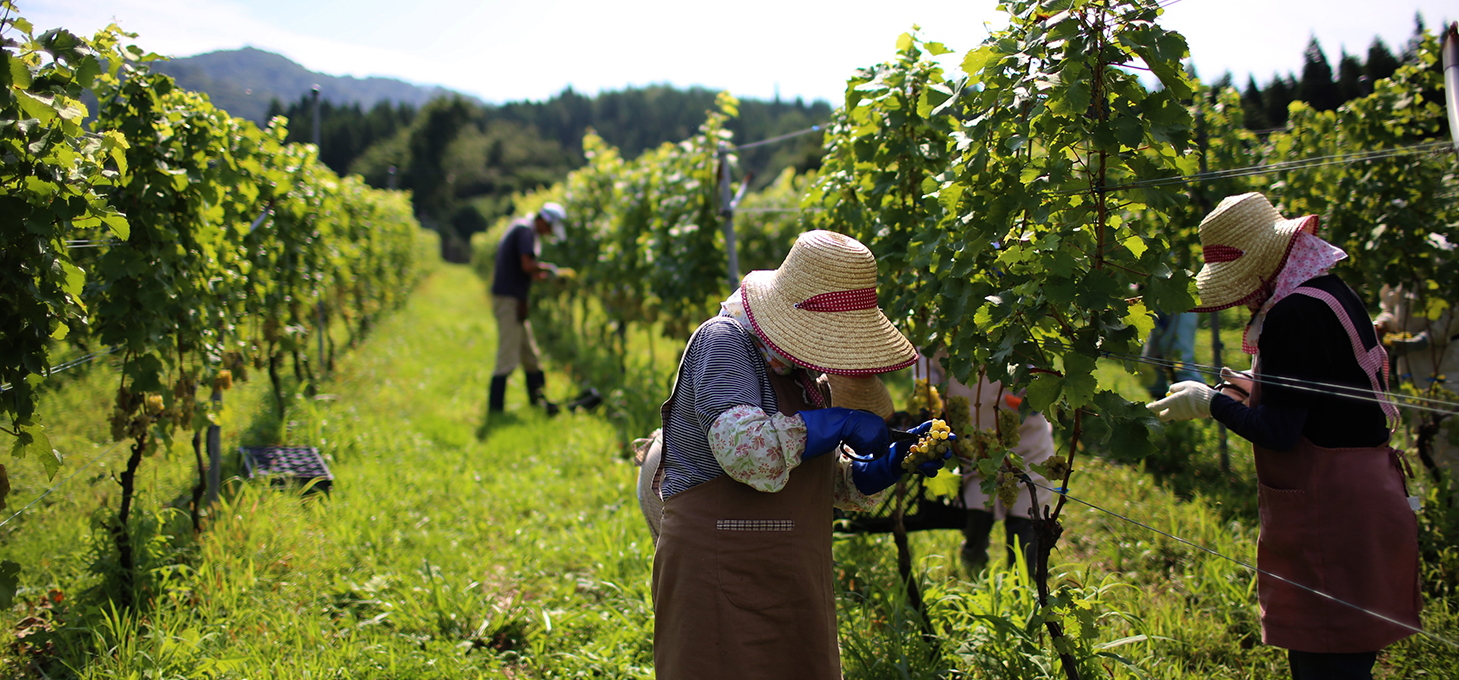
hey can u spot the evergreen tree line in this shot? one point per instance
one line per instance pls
(1320, 85)
(464, 160)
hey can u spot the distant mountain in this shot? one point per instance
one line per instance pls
(242, 82)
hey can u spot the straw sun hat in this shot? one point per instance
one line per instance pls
(1244, 244)
(819, 308)
(864, 393)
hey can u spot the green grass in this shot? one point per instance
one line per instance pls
(453, 546)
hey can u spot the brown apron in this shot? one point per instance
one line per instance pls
(742, 579)
(1337, 521)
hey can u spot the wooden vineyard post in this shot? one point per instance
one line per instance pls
(215, 451)
(727, 211)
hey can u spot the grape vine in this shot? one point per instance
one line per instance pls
(208, 242)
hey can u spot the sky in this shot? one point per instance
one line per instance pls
(513, 50)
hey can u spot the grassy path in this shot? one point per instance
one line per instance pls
(446, 549)
(451, 547)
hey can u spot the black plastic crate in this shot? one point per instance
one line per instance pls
(287, 465)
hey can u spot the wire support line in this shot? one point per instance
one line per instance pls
(1333, 389)
(1299, 164)
(777, 210)
(1358, 393)
(92, 243)
(1252, 567)
(1284, 166)
(58, 485)
(70, 364)
(779, 138)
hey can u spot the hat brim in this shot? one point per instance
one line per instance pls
(858, 342)
(861, 393)
(1223, 285)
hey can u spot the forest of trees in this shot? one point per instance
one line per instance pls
(464, 160)
(1319, 85)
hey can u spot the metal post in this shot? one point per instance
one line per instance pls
(215, 453)
(1200, 198)
(727, 210)
(314, 99)
(1216, 361)
(319, 306)
(1451, 79)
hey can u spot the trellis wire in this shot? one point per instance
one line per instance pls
(1319, 387)
(47, 492)
(779, 138)
(1332, 389)
(778, 210)
(1254, 568)
(71, 364)
(1284, 166)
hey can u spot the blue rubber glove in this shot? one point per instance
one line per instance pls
(826, 428)
(928, 468)
(874, 475)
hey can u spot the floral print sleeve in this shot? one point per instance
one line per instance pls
(757, 449)
(845, 495)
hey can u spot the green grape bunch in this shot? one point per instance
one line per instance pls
(924, 397)
(1008, 486)
(1008, 424)
(1056, 467)
(959, 413)
(932, 446)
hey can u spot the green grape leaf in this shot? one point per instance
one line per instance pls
(1044, 390)
(1141, 318)
(19, 72)
(1079, 380)
(118, 225)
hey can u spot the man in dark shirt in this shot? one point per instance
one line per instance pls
(516, 267)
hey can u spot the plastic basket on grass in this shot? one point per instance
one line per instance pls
(288, 466)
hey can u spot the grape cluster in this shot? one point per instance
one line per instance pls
(1056, 467)
(1007, 486)
(932, 446)
(959, 413)
(924, 396)
(235, 361)
(132, 413)
(1008, 424)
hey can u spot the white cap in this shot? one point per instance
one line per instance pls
(555, 215)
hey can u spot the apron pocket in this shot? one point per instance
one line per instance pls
(1283, 523)
(760, 563)
(1283, 549)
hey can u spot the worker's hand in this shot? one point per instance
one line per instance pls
(1398, 345)
(872, 476)
(826, 428)
(1186, 400)
(521, 311)
(927, 468)
(1238, 382)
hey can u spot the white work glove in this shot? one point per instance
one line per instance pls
(1186, 400)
